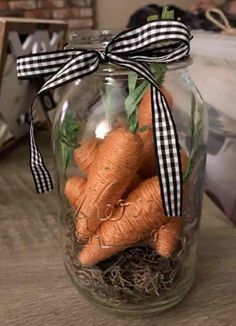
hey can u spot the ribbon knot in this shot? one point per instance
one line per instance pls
(163, 41)
(102, 56)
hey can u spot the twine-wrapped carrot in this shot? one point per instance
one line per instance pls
(74, 190)
(116, 164)
(145, 111)
(133, 184)
(85, 154)
(166, 237)
(148, 165)
(137, 219)
(141, 213)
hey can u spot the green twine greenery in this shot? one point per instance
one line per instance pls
(68, 131)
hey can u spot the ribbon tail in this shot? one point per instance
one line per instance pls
(41, 176)
(168, 154)
(67, 69)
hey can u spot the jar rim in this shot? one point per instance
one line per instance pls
(98, 39)
(92, 38)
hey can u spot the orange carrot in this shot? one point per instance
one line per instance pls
(166, 237)
(140, 215)
(116, 164)
(135, 182)
(85, 154)
(74, 189)
(148, 166)
(144, 109)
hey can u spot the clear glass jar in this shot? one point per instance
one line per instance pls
(119, 249)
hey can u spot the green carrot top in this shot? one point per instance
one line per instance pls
(137, 90)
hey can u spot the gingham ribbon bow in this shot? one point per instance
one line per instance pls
(158, 41)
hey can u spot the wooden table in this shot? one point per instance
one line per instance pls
(35, 290)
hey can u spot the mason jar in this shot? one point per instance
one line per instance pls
(120, 250)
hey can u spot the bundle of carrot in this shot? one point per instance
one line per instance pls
(118, 202)
(148, 166)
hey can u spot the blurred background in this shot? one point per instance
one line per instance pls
(120, 11)
(95, 13)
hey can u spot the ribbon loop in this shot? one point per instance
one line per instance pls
(162, 41)
(161, 35)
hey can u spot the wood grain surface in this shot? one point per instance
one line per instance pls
(35, 290)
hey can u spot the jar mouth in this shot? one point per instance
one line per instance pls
(92, 38)
(97, 39)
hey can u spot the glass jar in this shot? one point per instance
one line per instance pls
(119, 249)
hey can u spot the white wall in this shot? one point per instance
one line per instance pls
(115, 13)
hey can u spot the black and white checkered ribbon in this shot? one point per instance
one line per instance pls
(158, 41)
